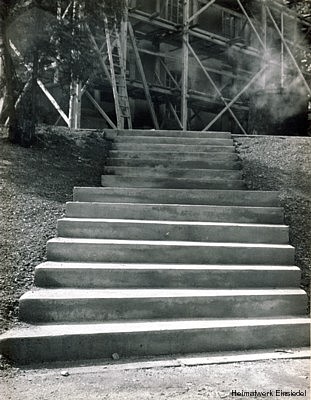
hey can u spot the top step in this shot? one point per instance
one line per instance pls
(114, 133)
(168, 140)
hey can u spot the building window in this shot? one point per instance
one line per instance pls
(231, 25)
(174, 11)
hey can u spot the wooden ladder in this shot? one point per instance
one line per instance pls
(116, 66)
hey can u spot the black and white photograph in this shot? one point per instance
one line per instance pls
(155, 199)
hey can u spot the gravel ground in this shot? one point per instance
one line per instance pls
(35, 183)
(284, 164)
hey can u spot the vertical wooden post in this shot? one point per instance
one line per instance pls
(123, 34)
(158, 6)
(59, 15)
(1, 73)
(34, 84)
(78, 105)
(71, 105)
(185, 65)
(75, 85)
(282, 50)
(157, 64)
(264, 27)
(166, 9)
(75, 105)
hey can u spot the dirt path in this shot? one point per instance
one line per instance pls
(116, 382)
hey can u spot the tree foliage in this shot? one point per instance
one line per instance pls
(45, 36)
(302, 7)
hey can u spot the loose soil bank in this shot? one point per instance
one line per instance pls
(284, 164)
(35, 183)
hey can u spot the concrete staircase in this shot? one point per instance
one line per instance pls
(172, 255)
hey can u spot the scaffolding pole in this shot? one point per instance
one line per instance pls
(200, 11)
(251, 23)
(100, 110)
(289, 51)
(175, 114)
(41, 86)
(185, 66)
(143, 77)
(75, 105)
(170, 104)
(169, 74)
(216, 88)
(264, 27)
(235, 98)
(282, 51)
(75, 85)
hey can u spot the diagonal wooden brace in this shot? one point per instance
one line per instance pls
(255, 77)
(42, 87)
(216, 88)
(289, 51)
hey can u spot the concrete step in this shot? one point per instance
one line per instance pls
(173, 155)
(174, 173)
(176, 148)
(113, 134)
(112, 275)
(177, 212)
(136, 251)
(195, 272)
(82, 305)
(171, 230)
(175, 140)
(178, 196)
(47, 343)
(166, 163)
(171, 183)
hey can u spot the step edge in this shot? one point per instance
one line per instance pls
(50, 330)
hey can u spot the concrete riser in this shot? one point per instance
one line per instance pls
(176, 148)
(113, 134)
(97, 345)
(177, 196)
(132, 162)
(196, 254)
(174, 173)
(42, 310)
(175, 213)
(170, 183)
(92, 276)
(173, 140)
(188, 156)
(155, 231)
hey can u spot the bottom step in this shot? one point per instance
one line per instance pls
(46, 343)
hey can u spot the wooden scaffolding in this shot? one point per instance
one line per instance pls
(155, 56)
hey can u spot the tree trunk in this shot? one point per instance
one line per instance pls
(30, 111)
(9, 78)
